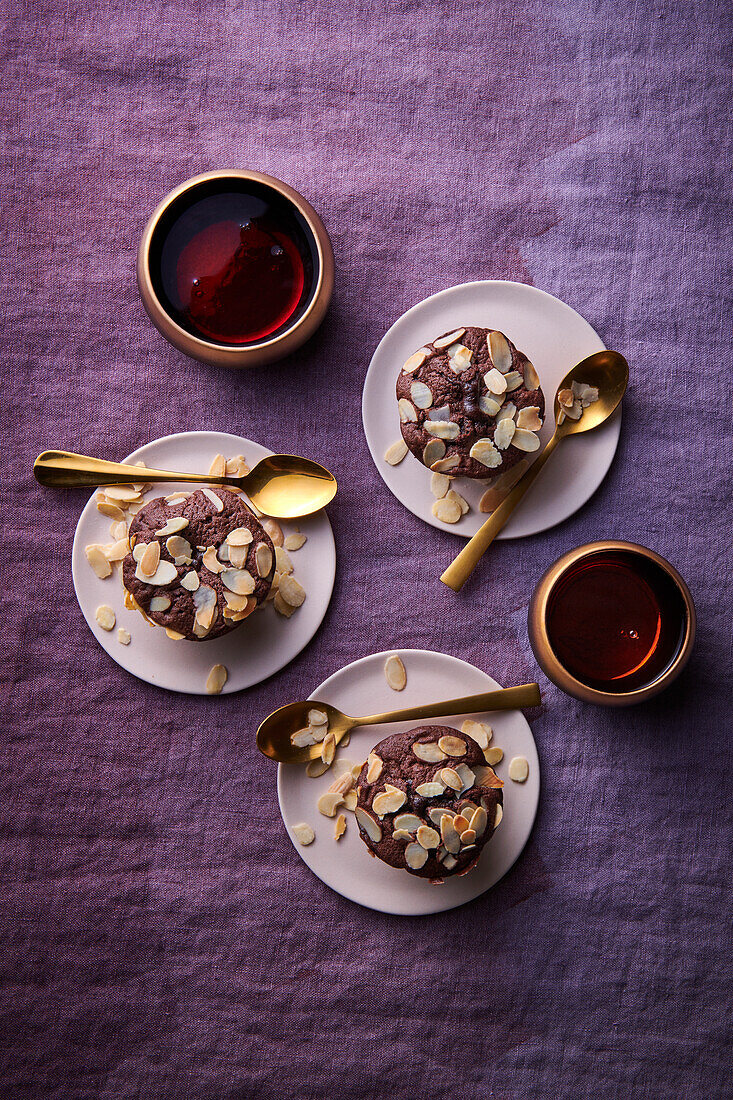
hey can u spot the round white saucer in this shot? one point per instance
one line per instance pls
(263, 644)
(346, 866)
(555, 338)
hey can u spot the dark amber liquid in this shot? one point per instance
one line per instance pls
(616, 621)
(234, 267)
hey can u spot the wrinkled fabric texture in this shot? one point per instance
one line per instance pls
(159, 935)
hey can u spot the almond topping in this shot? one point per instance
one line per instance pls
(501, 353)
(216, 680)
(525, 441)
(433, 451)
(430, 790)
(531, 378)
(427, 837)
(303, 833)
(374, 769)
(447, 511)
(406, 411)
(150, 559)
(295, 541)
(190, 581)
(421, 395)
(498, 817)
(98, 561)
(340, 826)
(263, 559)
(211, 561)
(443, 429)
(274, 530)
(173, 525)
(395, 452)
(452, 746)
(504, 432)
(416, 360)
(389, 800)
(513, 380)
(328, 803)
(415, 856)
(428, 751)
(160, 603)
(105, 616)
(452, 495)
(478, 821)
(409, 822)
(214, 499)
(479, 731)
(486, 453)
(240, 536)
(452, 779)
(367, 823)
(394, 672)
(443, 465)
(493, 755)
(529, 418)
(495, 382)
(291, 591)
(518, 769)
(238, 580)
(439, 485)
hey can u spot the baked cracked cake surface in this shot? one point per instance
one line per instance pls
(470, 403)
(200, 562)
(427, 802)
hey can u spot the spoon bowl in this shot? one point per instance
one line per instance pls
(281, 486)
(273, 736)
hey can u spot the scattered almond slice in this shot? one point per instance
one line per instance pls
(111, 510)
(174, 635)
(317, 718)
(493, 755)
(486, 453)
(428, 838)
(489, 404)
(415, 856)
(105, 616)
(513, 381)
(160, 603)
(214, 499)
(443, 465)
(302, 739)
(504, 433)
(531, 378)
(394, 673)
(211, 561)
(395, 452)
(291, 591)
(447, 511)
(190, 581)
(98, 561)
(428, 751)
(442, 429)
(236, 467)
(340, 828)
(118, 530)
(430, 790)
(218, 467)
(495, 382)
(281, 607)
(123, 636)
(451, 778)
(295, 541)
(350, 800)
(122, 494)
(239, 581)
(303, 833)
(452, 495)
(452, 746)
(498, 817)
(433, 451)
(342, 784)
(314, 768)
(328, 803)
(117, 551)
(283, 563)
(176, 498)
(371, 827)
(328, 748)
(565, 398)
(389, 800)
(422, 395)
(216, 680)
(479, 731)
(439, 485)
(518, 769)
(240, 536)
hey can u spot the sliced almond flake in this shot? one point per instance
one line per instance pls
(122, 494)
(442, 429)
(105, 616)
(389, 800)
(235, 602)
(263, 559)
(118, 530)
(525, 441)
(451, 778)
(565, 398)
(518, 769)
(150, 559)
(98, 561)
(111, 510)
(493, 755)
(487, 777)
(452, 746)
(441, 413)
(350, 799)
(491, 500)
(236, 467)
(501, 353)
(422, 395)
(123, 636)
(460, 822)
(211, 561)
(495, 382)
(274, 530)
(531, 378)
(529, 418)
(478, 822)
(433, 451)
(340, 827)
(415, 856)
(437, 812)
(449, 861)
(575, 411)
(303, 833)
(368, 824)
(498, 817)
(467, 776)
(428, 751)
(459, 500)
(395, 452)
(236, 556)
(428, 838)
(401, 834)
(318, 733)
(179, 549)
(584, 393)
(281, 607)
(486, 453)
(374, 768)
(218, 467)
(160, 603)
(174, 635)
(138, 549)
(394, 673)
(216, 680)
(328, 748)
(449, 835)
(489, 405)
(328, 803)
(214, 499)
(317, 718)
(447, 511)
(444, 341)
(190, 581)
(314, 768)
(343, 783)
(430, 790)
(283, 563)
(406, 411)
(303, 738)
(513, 381)
(297, 539)
(479, 731)
(239, 581)
(444, 465)
(240, 536)
(504, 433)
(164, 574)
(117, 550)
(409, 822)
(439, 485)
(507, 412)
(291, 591)
(176, 498)
(468, 838)
(172, 526)
(416, 360)
(460, 358)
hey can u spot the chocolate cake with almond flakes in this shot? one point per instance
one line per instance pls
(470, 404)
(427, 802)
(200, 562)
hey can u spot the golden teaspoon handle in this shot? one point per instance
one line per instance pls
(64, 469)
(462, 566)
(513, 698)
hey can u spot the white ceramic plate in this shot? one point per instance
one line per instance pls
(263, 644)
(555, 338)
(346, 866)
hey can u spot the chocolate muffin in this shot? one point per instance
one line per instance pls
(470, 404)
(200, 562)
(427, 802)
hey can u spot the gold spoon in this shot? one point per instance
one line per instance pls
(283, 486)
(273, 736)
(609, 372)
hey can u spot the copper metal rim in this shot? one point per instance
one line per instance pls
(266, 351)
(546, 658)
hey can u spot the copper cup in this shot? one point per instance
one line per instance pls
(546, 655)
(307, 317)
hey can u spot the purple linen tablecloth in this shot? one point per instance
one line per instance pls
(160, 937)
